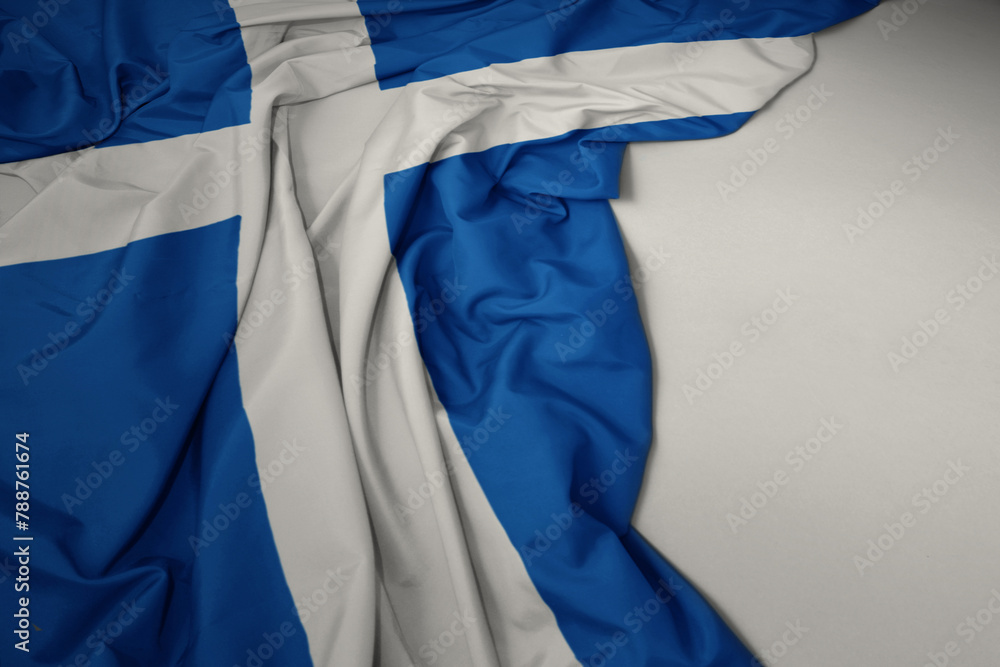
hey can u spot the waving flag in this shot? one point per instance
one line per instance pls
(321, 346)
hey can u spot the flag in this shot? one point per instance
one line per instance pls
(320, 342)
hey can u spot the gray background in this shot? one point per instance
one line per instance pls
(890, 92)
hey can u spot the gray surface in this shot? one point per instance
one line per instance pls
(827, 355)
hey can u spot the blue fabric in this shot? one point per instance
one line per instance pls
(416, 40)
(75, 74)
(118, 366)
(524, 310)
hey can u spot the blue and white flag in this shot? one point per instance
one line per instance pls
(320, 344)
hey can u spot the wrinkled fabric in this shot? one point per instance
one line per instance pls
(327, 348)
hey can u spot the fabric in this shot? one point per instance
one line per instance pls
(322, 346)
